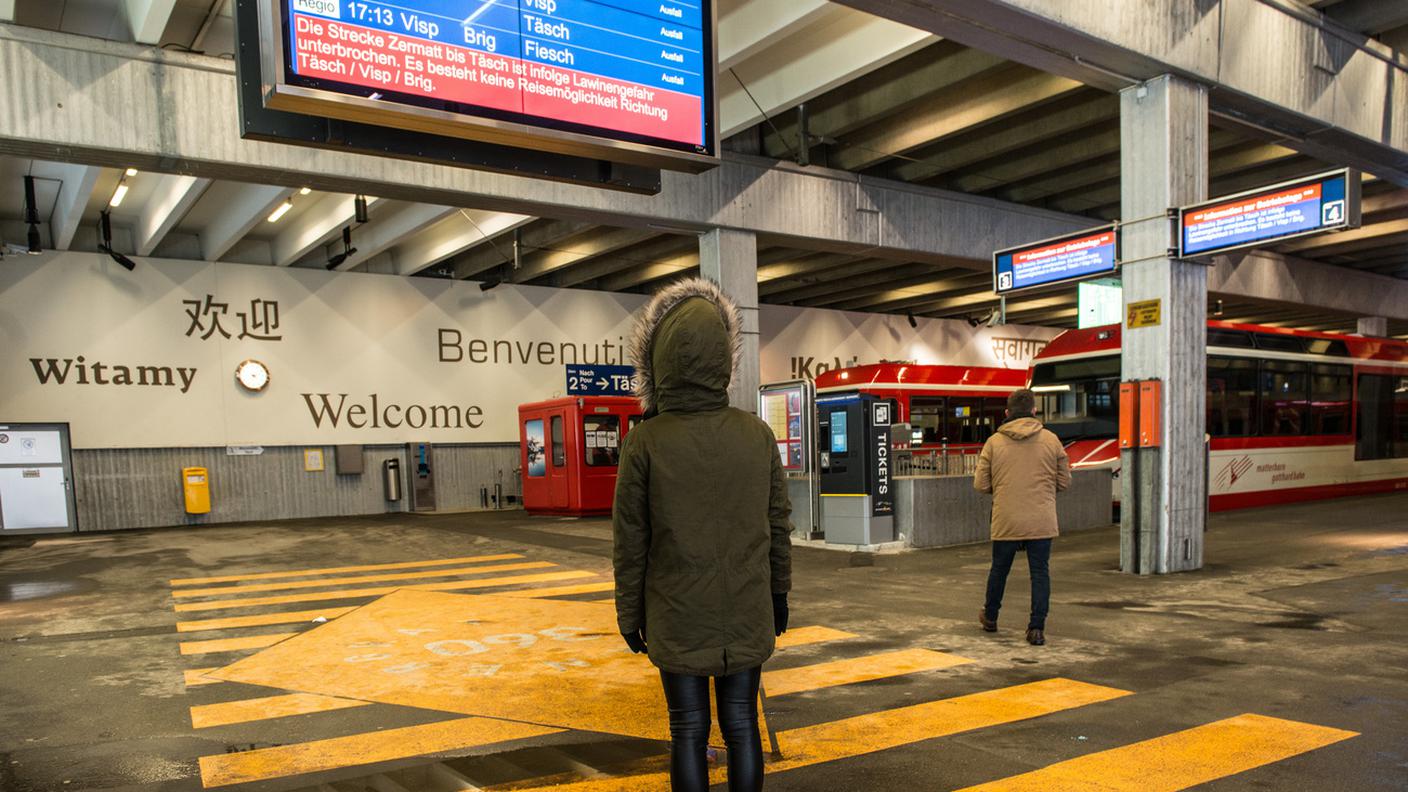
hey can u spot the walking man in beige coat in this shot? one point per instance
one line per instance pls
(1022, 466)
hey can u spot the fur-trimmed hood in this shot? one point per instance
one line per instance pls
(686, 346)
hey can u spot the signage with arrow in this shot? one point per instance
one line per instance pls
(600, 380)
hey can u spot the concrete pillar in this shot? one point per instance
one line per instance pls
(1373, 326)
(1163, 164)
(730, 259)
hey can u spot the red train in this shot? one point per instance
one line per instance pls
(1292, 415)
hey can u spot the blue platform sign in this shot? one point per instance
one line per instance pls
(1064, 259)
(1327, 202)
(600, 380)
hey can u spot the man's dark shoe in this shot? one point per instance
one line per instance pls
(989, 625)
(1036, 637)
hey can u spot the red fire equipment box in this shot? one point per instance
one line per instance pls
(569, 449)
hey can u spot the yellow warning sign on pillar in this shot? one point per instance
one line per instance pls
(1145, 313)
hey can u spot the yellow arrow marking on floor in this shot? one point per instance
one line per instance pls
(227, 712)
(219, 591)
(341, 570)
(361, 749)
(376, 591)
(197, 676)
(857, 669)
(1180, 760)
(559, 591)
(262, 620)
(803, 636)
(233, 644)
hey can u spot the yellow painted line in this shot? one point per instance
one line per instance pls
(361, 749)
(342, 581)
(197, 676)
(376, 591)
(1180, 760)
(342, 570)
(560, 591)
(262, 620)
(878, 731)
(802, 636)
(233, 644)
(264, 708)
(857, 669)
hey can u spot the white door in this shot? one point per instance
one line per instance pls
(35, 485)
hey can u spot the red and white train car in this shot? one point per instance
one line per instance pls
(1292, 415)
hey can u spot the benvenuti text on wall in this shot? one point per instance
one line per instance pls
(453, 348)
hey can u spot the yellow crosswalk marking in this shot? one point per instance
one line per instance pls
(559, 591)
(1180, 760)
(802, 636)
(857, 669)
(361, 749)
(197, 676)
(342, 581)
(878, 731)
(262, 620)
(227, 712)
(342, 570)
(233, 644)
(376, 591)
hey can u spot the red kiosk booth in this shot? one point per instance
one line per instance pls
(569, 449)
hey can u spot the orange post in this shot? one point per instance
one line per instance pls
(1150, 413)
(1129, 415)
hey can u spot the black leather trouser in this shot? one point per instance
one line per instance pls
(737, 698)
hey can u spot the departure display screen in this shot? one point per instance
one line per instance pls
(1321, 203)
(1087, 254)
(633, 71)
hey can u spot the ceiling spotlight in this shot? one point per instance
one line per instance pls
(105, 230)
(305, 190)
(31, 216)
(131, 171)
(280, 211)
(910, 316)
(1217, 308)
(974, 321)
(359, 206)
(347, 249)
(489, 284)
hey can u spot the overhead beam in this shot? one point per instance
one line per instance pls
(1366, 237)
(1370, 16)
(391, 226)
(1333, 95)
(664, 247)
(542, 235)
(582, 248)
(172, 198)
(912, 292)
(641, 275)
(862, 277)
(318, 225)
(146, 19)
(75, 189)
(1299, 283)
(752, 26)
(452, 236)
(250, 207)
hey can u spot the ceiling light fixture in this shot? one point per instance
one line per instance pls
(347, 249)
(105, 230)
(359, 209)
(31, 217)
(280, 211)
(912, 322)
(131, 172)
(305, 190)
(118, 195)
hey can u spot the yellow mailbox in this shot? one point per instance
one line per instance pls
(195, 483)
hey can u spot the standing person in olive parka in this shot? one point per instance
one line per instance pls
(703, 549)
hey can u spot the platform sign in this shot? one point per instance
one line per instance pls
(600, 380)
(623, 80)
(1326, 202)
(1065, 259)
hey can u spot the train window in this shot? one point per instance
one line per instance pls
(1067, 370)
(603, 440)
(1231, 396)
(1229, 338)
(1327, 346)
(559, 450)
(1378, 404)
(926, 418)
(971, 420)
(1400, 417)
(1330, 397)
(1284, 398)
(1279, 343)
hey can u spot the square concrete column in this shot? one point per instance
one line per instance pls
(1373, 326)
(730, 259)
(1163, 164)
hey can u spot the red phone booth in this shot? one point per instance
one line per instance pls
(569, 449)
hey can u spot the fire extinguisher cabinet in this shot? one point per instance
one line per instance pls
(569, 450)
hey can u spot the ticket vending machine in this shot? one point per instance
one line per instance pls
(421, 473)
(856, 460)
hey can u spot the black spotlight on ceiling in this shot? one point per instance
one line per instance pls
(489, 284)
(347, 249)
(1217, 308)
(105, 229)
(31, 217)
(974, 321)
(910, 316)
(359, 208)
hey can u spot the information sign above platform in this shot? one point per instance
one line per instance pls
(1315, 204)
(1074, 257)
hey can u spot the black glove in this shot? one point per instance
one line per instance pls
(635, 640)
(779, 614)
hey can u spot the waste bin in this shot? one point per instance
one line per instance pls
(195, 486)
(391, 479)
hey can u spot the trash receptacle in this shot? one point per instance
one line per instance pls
(391, 479)
(195, 486)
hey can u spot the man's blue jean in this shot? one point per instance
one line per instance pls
(1038, 562)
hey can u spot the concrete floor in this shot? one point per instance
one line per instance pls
(1301, 614)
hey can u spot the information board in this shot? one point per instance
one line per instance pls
(782, 410)
(1327, 202)
(600, 380)
(624, 79)
(1087, 254)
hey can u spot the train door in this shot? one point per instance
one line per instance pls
(559, 482)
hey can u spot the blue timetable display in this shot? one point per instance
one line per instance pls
(629, 71)
(1327, 202)
(1075, 257)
